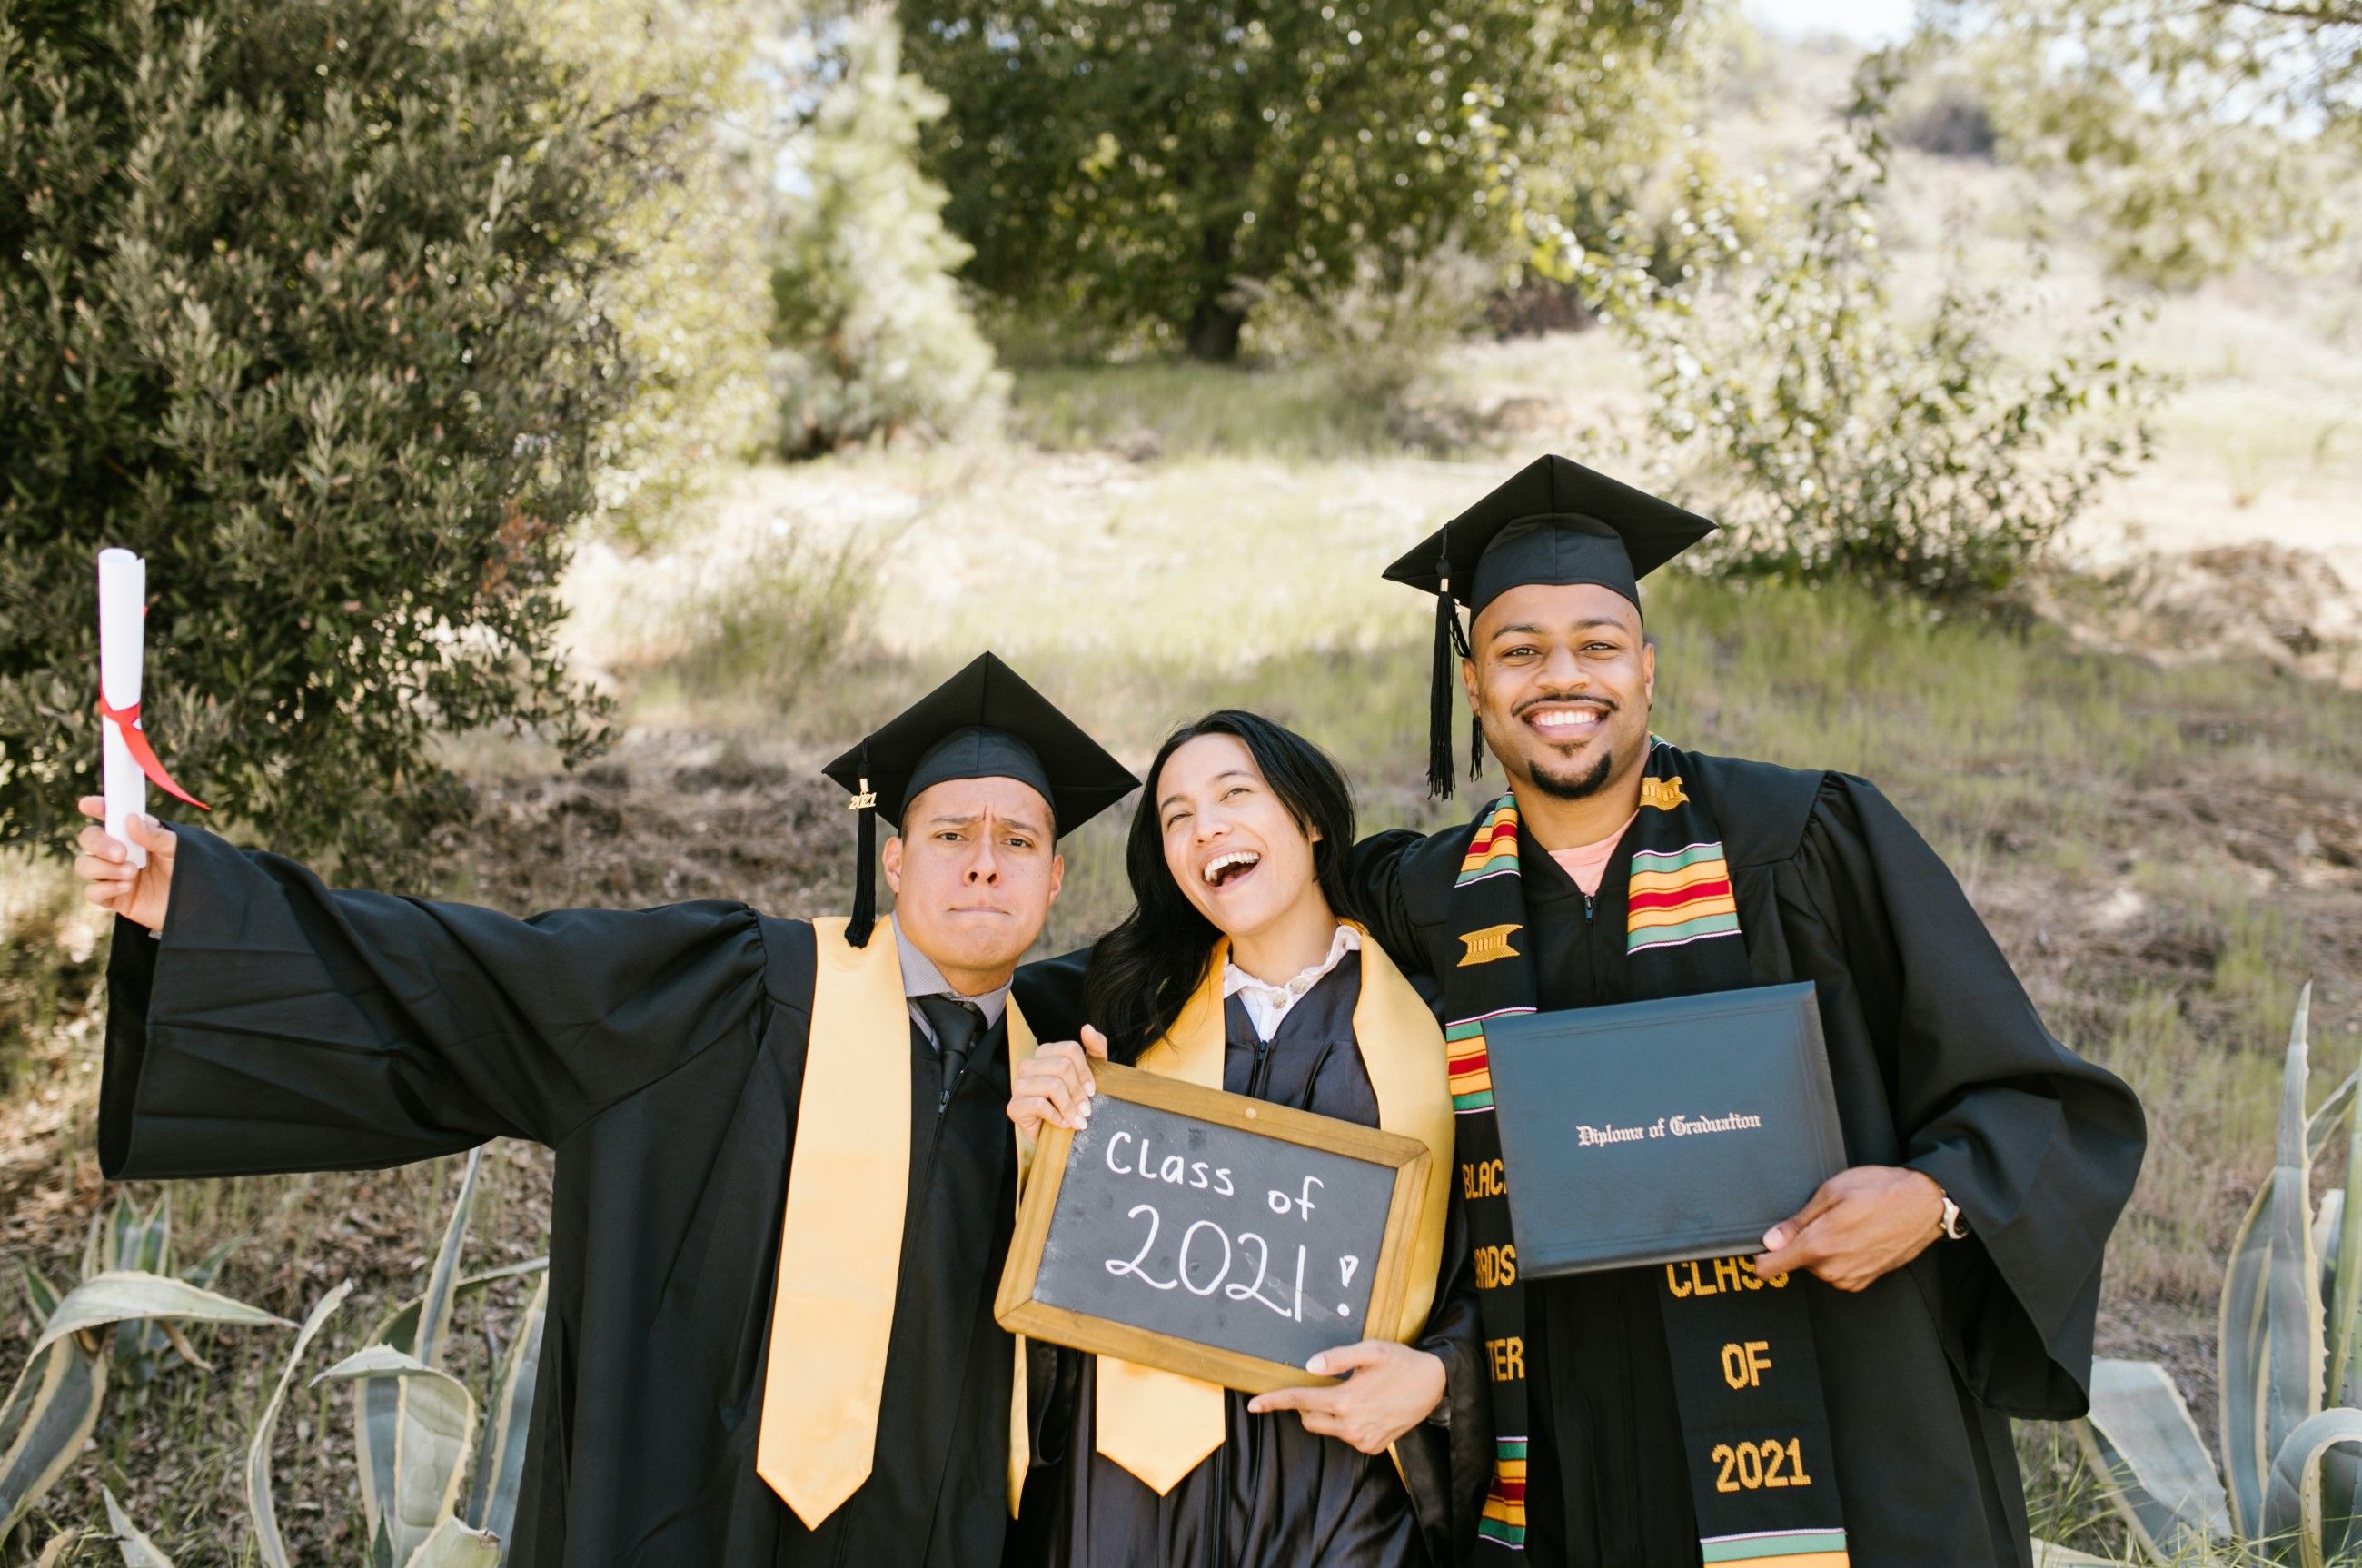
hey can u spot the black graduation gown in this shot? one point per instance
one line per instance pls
(1939, 1062)
(1274, 1495)
(278, 1026)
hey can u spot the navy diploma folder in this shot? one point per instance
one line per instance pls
(1654, 1132)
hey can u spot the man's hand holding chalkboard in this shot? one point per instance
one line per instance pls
(1055, 1084)
(1387, 1390)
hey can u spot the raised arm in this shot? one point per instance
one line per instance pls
(271, 1024)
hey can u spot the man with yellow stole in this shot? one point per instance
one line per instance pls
(1846, 1396)
(785, 1180)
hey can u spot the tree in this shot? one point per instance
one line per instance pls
(871, 335)
(306, 302)
(2201, 134)
(1132, 164)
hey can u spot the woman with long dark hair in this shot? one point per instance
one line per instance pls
(1241, 969)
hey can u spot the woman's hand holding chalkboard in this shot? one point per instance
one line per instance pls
(1388, 1389)
(1055, 1084)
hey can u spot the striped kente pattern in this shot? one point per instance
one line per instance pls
(1503, 1521)
(1780, 1549)
(1468, 1068)
(1494, 851)
(1678, 896)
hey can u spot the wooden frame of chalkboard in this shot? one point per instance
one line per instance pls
(1019, 1312)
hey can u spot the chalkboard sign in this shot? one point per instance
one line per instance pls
(1213, 1235)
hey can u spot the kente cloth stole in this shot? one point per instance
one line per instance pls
(841, 1241)
(1160, 1425)
(1754, 1424)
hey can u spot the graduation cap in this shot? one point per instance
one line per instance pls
(984, 722)
(1554, 522)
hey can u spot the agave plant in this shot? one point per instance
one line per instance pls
(438, 1481)
(432, 1468)
(114, 1326)
(2290, 1358)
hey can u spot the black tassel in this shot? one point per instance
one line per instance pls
(864, 869)
(1476, 726)
(1439, 697)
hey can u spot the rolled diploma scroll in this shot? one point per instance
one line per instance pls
(122, 604)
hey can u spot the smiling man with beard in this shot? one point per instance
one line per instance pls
(1950, 1277)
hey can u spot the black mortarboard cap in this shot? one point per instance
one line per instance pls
(1554, 522)
(984, 722)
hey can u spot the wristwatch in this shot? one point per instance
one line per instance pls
(1955, 1228)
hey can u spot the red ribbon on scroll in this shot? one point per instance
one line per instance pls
(127, 720)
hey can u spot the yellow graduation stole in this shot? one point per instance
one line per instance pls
(1160, 1425)
(841, 1244)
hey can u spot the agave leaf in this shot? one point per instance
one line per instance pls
(2331, 1114)
(46, 1418)
(123, 1245)
(202, 1275)
(2272, 1357)
(454, 1545)
(499, 1470)
(111, 1298)
(2144, 1446)
(144, 1246)
(510, 1271)
(91, 1255)
(156, 1237)
(2048, 1554)
(2291, 1522)
(40, 1293)
(180, 1345)
(138, 1552)
(434, 1310)
(434, 1436)
(261, 1502)
(376, 1415)
(55, 1553)
(2328, 1244)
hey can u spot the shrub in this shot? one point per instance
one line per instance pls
(871, 335)
(306, 302)
(1831, 432)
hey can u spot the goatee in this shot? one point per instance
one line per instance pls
(1580, 787)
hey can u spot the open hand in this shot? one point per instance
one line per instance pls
(1388, 1389)
(111, 881)
(1055, 1084)
(1862, 1224)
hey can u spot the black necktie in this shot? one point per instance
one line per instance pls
(956, 1023)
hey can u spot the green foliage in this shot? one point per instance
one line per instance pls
(1830, 432)
(2198, 137)
(1129, 165)
(306, 302)
(872, 337)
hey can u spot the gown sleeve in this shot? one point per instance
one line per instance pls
(274, 1025)
(2038, 1147)
(1373, 876)
(1447, 1461)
